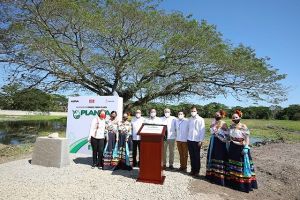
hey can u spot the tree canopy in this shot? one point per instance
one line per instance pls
(130, 47)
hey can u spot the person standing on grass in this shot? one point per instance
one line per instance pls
(96, 138)
(196, 134)
(240, 168)
(169, 143)
(181, 132)
(136, 124)
(217, 151)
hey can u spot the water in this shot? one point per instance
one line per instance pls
(254, 140)
(20, 132)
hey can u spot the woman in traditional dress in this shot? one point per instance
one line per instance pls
(217, 151)
(240, 174)
(125, 144)
(110, 157)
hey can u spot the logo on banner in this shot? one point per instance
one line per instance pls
(109, 101)
(76, 114)
(91, 100)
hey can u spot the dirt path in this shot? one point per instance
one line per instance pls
(277, 171)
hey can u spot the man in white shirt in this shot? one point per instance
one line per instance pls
(169, 143)
(136, 124)
(96, 138)
(195, 138)
(181, 130)
(152, 118)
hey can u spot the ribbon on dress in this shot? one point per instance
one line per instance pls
(247, 167)
(105, 148)
(211, 146)
(127, 154)
(115, 152)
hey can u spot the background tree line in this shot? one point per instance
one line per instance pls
(16, 97)
(291, 112)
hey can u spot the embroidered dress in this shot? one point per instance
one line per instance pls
(110, 157)
(125, 146)
(240, 167)
(217, 153)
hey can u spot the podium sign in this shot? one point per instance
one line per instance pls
(151, 166)
(151, 129)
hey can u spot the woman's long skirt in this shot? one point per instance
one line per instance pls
(236, 178)
(125, 153)
(110, 161)
(217, 157)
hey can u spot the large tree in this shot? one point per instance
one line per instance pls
(129, 47)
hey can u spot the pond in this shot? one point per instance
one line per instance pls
(255, 140)
(21, 132)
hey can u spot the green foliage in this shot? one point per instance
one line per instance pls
(208, 111)
(292, 113)
(14, 97)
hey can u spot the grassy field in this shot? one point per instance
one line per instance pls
(286, 130)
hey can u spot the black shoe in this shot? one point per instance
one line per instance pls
(196, 175)
(171, 167)
(93, 166)
(181, 169)
(192, 173)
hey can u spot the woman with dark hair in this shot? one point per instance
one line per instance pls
(125, 144)
(240, 174)
(96, 138)
(111, 148)
(217, 151)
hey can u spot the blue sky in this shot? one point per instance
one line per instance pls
(271, 27)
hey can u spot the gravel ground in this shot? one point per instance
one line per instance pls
(21, 180)
(277, 170)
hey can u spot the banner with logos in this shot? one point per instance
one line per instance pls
(81, 111)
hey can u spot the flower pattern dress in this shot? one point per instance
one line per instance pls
(217, 153)
(236, 177)
(110, 157)
(125, 146)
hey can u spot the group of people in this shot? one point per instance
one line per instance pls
(115, 145)
(111, 142)
(229, 161)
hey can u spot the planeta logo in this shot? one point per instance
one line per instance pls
(76, 114)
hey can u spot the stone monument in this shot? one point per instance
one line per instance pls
(51, 151)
